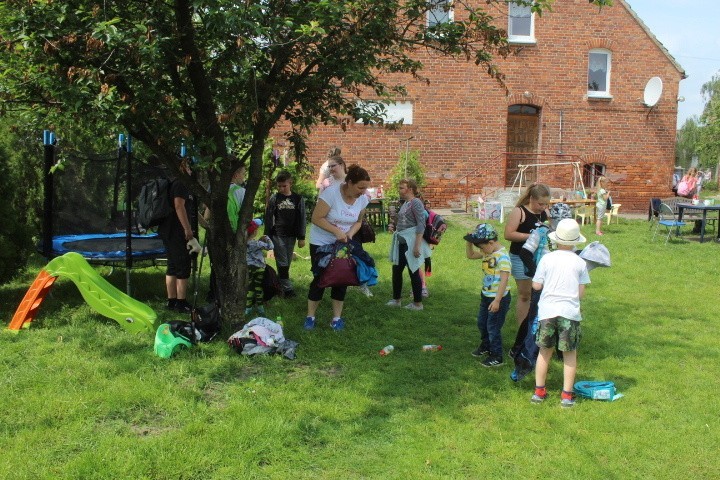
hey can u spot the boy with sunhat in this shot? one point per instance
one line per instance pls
(495, 299)
(562, 276)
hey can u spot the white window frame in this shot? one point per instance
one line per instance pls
(608, 74)
(521, 39)
(394, 112)
(439, 3)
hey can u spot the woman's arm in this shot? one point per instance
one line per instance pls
(322, 208)
(356, 226)
(514, 220)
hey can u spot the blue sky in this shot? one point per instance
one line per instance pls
(689, 31)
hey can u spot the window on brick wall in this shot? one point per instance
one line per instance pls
(521, 23)
(599, 63)
(440, 11)
(591, 172)
(397, 112)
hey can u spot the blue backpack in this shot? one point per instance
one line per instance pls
(599, 390)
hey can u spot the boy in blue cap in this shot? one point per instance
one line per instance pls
(495, 299)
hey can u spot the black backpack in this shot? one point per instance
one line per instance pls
(207, 321)
(434, 228)
(154, 202)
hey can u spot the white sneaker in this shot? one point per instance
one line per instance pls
(412, 306)
(366, 290)
(393, 303)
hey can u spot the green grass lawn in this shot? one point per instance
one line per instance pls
(84, 399)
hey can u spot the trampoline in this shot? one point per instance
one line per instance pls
(91, 207)
(109, 248)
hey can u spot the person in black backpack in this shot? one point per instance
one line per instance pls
(177, 231)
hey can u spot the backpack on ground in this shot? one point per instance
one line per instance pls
(596, 390)
(154, 203)
(207, 321)
(434, 228)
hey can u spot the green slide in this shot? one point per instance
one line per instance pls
(133, 316)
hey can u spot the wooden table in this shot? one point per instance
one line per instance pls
(704, 208)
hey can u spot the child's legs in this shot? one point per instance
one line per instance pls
(482, 322)
(569, 369)
(569, 334)
(522, 306)
(255, 290)
(541, 366)
(546, 339)
(495, 322)
(283, 250)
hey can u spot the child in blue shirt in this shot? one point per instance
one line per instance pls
(495, 299)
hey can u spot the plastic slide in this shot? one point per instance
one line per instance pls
(133, 316)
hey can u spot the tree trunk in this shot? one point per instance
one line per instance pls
(227, 249)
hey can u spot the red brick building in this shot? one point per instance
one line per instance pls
(576, 93)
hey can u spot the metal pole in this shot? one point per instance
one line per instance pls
(407, 152)
(128, 213)
(49, 159)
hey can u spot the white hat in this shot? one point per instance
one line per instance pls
(567, 233)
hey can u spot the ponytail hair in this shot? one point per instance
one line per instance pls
(536, 191)
(356, 174)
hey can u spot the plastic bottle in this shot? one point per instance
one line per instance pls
(431, 348)
(386, 350)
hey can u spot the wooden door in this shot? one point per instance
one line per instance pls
(523, 129)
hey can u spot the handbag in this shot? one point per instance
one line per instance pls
(340, 272)
(608, 203)
(366, 234)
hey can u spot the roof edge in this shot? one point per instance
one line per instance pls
(654, 39)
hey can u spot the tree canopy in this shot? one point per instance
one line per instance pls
(220, 75)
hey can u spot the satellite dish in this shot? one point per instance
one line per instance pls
(653, 90)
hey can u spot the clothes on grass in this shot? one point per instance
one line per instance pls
(262, 336)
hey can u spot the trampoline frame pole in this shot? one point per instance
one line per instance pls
(48, 192)
(128, 214)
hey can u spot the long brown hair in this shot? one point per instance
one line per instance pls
(536, 191)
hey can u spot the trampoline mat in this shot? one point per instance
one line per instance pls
(109, 246)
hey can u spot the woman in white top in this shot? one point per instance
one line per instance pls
(332, 171)
(336, 218)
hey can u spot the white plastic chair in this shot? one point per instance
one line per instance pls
(586, 211)
(613, 213)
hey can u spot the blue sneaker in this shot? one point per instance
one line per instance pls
(261, 310)
(338, 324)
(248, 311)
(309, 323)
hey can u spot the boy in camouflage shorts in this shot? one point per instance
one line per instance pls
(563, 274)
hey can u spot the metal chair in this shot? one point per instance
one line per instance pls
(667, 218)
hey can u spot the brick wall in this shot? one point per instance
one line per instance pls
(460, 118)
